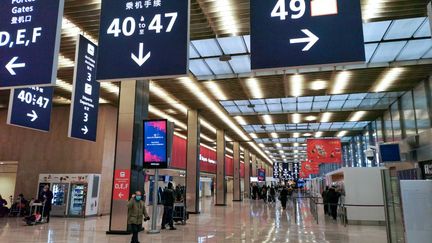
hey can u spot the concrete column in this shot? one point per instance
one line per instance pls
(192, 162)
(254, 165)
(221, 189)
(246, 174)
(236, 172)
(133, 109)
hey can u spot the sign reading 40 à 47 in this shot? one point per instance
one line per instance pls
(31, 108)
(143, 39)
(29, 42)
(295, 33)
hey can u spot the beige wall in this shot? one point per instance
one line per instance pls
(7, 181)
(53, 152)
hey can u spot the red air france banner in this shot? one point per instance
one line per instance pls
(324, 150)
(309, 168)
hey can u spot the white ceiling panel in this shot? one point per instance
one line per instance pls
(241, 64)
(375, 31)
(218, 67)
(415, 49)
(388, 51)
(369, 50)
(207, 47)
(232, 45)
(424, 30)
(403, 28)
(199, 68)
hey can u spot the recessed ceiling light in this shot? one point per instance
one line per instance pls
(342, 134)
(296, 85)
(318, 85)
(253, 135)
(274, 135)
(296, 144)
(307, 134)
(278, 145)
(296, 118)
(296, 135)
(326, 117)
(342, 80)
(254, 88)
(240, 120)
(318, 134)
(214, 88)
(388, 79)
(261, 145)
(310, 118)
(357, 116)
(267, 119)
(170, 111)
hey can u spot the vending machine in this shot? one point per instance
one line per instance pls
(74, 195)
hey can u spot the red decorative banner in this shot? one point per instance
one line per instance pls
(309, 168)
(324, 150)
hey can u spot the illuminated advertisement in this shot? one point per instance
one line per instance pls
(261, 175)
(308, 168)
(324, 150)
(155, 144)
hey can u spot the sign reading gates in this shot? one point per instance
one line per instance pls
(29, 42)
(85, 95)
(324, 150)
(143, 39)
(121, 185)
(295, 33)
(31, 108)
(155, 144)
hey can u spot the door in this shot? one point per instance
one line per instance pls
(392, 206)
(60, 196)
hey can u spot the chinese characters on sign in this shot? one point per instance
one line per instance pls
(29, 42)
(31, 108)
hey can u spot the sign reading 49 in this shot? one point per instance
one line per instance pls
(143, 39)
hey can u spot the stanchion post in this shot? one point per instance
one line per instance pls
(153, 229)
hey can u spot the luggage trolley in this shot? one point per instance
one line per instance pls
(36, 213)
(179, 214)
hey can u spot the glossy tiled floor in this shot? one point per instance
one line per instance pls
(248, 221)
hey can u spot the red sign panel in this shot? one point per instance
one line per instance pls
(324, 150)
(121, 185)
(309, 168)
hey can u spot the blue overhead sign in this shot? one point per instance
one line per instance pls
(296, 33)
(85, 94)
(29, 42)
(31, 108)
(143, 39)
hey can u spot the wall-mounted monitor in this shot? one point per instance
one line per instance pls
(390, 152)
(155, 144)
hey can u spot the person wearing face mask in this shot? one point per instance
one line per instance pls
(136, 214)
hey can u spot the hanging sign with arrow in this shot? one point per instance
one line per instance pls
(298, 33)
(85, 93)
(143, 39)
(31, 108)
(30, 34)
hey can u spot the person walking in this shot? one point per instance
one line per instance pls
(137, 212)
(333, 200)
(283, 197)
(325, 200)
(272, 194)
(168, 203)
(46, 197)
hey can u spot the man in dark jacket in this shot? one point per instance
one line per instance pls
(333, 200)
(283, 197)
(325, 200)
(136, 214)
(168, 202)
(46, 197)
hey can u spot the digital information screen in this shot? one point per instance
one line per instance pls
(155, 144)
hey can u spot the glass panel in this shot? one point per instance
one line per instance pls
(388, 51)
(421, 109)
(403, 28)
(415, 49)
(240, 64)
(397, 132)
(424, 30)
(375, 31)
(207, 48)
(232, 45)
(388, 133)
(408, 114)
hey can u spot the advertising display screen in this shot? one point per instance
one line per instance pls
(390, 152)
(261, 175)
(155, 144)
(324, 150)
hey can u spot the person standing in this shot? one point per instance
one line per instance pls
(46, 197)
(333, 200)
(283, 197)
(168, 203)
(325, 200)
(137, 212)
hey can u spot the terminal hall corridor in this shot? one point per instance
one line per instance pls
(247, 221)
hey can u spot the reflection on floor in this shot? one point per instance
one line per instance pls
(247, 221)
